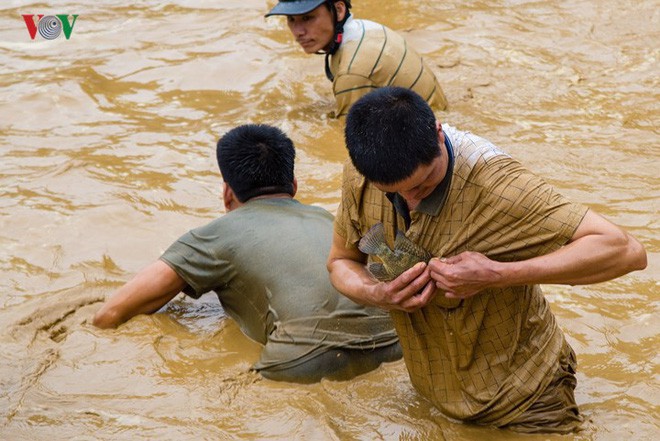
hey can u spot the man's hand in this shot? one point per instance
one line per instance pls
(412, 290)
(349, 275)
(465, 274)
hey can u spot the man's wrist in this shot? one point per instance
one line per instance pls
(508, 274)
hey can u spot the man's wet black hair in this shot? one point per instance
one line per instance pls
(389, 133)
(256, 160)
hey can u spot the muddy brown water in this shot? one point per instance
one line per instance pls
(107, 156)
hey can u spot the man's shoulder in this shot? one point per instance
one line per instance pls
(263, 209)
(260, 212)
(351, 176)
(372, 46)
(472, 148)
(367, 33)
(315, 210)
(355, 29)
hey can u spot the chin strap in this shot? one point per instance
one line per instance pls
(328, 72)
(336, 40)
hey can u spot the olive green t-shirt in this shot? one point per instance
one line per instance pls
(266, 261)
(371, 56)
(487, 358)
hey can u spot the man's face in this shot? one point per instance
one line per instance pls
(423, 180)
(418, 185)
(314, 30)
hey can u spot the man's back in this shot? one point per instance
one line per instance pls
(266, 262)
(265, 259)
(372, 55)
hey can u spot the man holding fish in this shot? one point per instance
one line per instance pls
(478, 336)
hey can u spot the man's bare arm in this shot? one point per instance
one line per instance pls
(598, 251)
(146, 293)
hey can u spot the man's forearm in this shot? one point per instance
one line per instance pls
(352, 280)
(598, 251)
(146, 293)
(590, 259)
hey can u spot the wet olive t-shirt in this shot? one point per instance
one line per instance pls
(266, 262)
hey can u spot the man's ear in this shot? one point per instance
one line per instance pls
(228, 197)
(295, 187)
(341, 10)
(441, 134)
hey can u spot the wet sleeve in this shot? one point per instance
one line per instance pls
(347, 220)
(198, 264)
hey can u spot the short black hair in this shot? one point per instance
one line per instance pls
(389, 133)
(256, 159)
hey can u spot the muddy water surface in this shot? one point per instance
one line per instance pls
(107, 157)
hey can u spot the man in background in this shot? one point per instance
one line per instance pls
(360, 55)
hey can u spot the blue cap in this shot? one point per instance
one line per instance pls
(295, 7)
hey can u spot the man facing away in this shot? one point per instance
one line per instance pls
(478, 337)
(360, 55)
(265, 259)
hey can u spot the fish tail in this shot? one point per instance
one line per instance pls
(373, 241)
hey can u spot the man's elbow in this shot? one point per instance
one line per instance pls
(336, 271)
(330, 265)
(638, 260)
(629, 253)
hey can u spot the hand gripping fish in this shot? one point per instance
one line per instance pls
(393, 262)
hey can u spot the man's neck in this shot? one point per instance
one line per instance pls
(235, 203)
(443, 166)
(271, 196)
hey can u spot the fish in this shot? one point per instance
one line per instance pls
(393, 262)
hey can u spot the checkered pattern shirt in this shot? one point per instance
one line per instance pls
(487, 358)
(371, 56)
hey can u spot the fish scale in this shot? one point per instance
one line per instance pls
(393, 262)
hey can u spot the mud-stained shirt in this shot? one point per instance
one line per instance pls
(371, 56)
(266, 263)
(487, 358)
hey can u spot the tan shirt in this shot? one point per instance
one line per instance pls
(371, 56)
(485, 359)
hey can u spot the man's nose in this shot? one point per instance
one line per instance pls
(297, 29)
